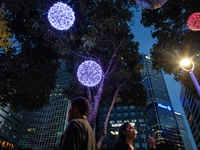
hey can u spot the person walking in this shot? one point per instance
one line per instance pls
(78, 134)
(127, 134)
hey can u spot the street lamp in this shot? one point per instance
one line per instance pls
(186, 62)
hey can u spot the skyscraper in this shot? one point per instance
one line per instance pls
(183, 131)
(11, 124)
(43, 128)
(159, 108)
(191, 108)
(158, 117)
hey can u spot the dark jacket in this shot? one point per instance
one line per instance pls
(122, 145)
(78, 136)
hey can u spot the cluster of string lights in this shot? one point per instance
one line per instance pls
(61, 16)
(89, 73)
(193, 22)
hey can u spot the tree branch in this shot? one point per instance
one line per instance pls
(107, 117)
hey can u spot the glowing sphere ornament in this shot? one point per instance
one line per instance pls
(61, 16)
(151, 4)
(89, 73)
(193, 22)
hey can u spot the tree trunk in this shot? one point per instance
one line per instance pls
(90, 102)
(97, 98)
(105, 125)
(107, 118)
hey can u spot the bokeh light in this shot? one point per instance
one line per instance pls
(193, 22)
(61, 16)
(89, 73)
(150, 4)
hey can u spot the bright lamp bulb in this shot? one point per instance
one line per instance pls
(185, 62)
(89, 73)
(61, 16)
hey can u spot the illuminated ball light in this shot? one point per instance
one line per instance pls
(150, 4)
(61, 16)
(193, 22)
(89, 73)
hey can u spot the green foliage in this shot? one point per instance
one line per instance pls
(105, 27)
(175, 40)
(28, 70)
(5, 35)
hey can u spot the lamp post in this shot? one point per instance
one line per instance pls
(186, 62)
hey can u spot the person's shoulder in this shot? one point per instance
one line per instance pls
(120, 142)
(78, 121)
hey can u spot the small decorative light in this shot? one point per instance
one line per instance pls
(193, 22)
(151, 4)
(61, 16)
(89, 73)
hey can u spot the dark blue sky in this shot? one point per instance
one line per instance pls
(143, 36)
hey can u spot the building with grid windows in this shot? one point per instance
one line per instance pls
(43, 128)
(119, 115)
(159, 108)
(157, 117)
(184, 132)
(11, 124)
(191, 108)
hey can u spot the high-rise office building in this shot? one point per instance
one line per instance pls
(184, 131)
(118, 116)
(11, 124)
(158, 117)
(43, 128)
(191, 108)
(159, 108)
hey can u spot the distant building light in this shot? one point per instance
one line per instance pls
(165, 107)
(148, 57)
(119, 124)
(177, 113)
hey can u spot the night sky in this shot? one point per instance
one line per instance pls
(143, 36)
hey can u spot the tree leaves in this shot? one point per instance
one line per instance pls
(5, 35)
(175, 40)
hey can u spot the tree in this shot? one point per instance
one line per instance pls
(105, 38)
(175, 40)
(100, 33)
(5, 35)
(28, 70)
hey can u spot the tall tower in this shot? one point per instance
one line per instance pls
(159, 108)
(191, 108)
(43, 128)
(11, 124)
(184, 132)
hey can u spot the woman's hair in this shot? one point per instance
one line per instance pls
(123, 128)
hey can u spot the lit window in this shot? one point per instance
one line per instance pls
(112, 121)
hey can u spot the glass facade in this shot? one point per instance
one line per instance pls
(159, 108)
(43, 128)
(118, 116)
(158, 117)
(11, 124)
(184, 132)
(191, 108)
